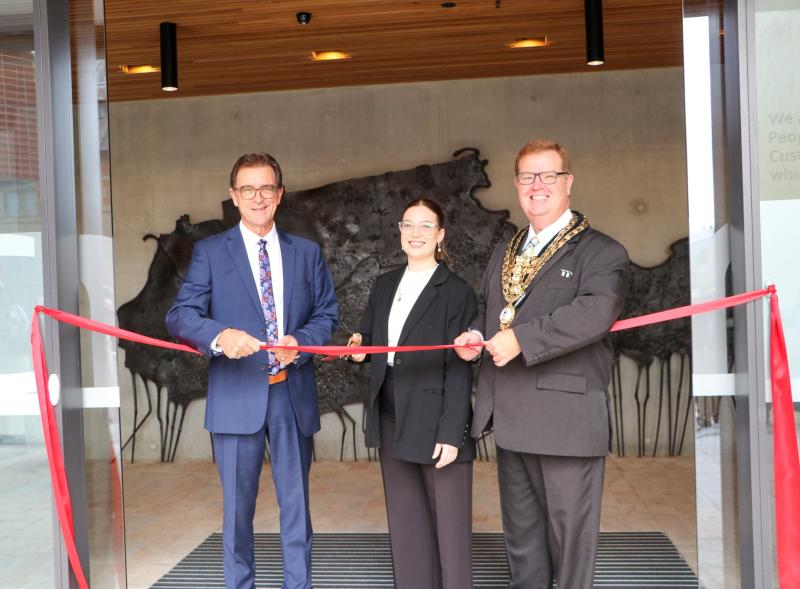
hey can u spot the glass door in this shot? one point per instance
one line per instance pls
(26, 544)
(55, 249)
(775, 165)
(99, 386)
(713, 383)
(743, 145)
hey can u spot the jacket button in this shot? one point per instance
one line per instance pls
(264, 331)
(398, 362)
(263, 368)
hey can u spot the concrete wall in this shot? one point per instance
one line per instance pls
(625, 131)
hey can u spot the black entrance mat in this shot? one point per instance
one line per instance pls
(350, 561)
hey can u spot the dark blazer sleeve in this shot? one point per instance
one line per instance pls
(587, 319)
(457, 410)
(478, 323)
(187, 319)
(367, 321)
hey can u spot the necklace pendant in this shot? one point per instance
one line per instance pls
(507, 316)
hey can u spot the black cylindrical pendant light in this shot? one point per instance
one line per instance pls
(169, 56)
(593, 14)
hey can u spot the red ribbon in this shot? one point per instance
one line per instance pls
(55, 458)
(787, 464)
(680, 312)
(349, 350)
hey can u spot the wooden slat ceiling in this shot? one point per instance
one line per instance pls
(231, 46)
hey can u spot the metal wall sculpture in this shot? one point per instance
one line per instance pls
(655, 289)
(181, 377)
(355, 222)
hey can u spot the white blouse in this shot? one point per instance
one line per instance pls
(408, 291)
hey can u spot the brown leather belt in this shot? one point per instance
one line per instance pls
(280, 377)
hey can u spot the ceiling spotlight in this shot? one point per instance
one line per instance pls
(529, 42)
(329, 55)
(139, 69)
(303, 18)
(169, 56)
(593, 14)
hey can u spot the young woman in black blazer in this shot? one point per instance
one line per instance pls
(419, 408)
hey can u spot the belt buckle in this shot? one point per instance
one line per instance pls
(281, 376)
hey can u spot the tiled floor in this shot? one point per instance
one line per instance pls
(171, 508)
(26, 524)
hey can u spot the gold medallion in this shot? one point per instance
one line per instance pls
(507, 316)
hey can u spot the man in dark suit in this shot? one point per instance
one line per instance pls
(546, 303)
(250, 284)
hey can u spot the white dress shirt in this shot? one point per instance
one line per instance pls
(253, 248)
(542, 238)
(408, 291)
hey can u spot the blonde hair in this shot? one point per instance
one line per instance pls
(540, 145)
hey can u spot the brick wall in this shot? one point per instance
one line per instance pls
(18, 146)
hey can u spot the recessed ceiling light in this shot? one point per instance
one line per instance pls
(529, 42)
(448, 4)
(139, 69)
(330, 55)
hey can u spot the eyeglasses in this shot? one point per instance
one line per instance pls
(268, 191)
(424, 227)
(527, 178)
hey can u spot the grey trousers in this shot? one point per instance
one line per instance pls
(551, 517)
(430, 519)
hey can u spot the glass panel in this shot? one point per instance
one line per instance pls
(96, 272)
(777, 42)
(26, 519)
(709, 253)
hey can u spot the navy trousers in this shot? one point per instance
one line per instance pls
(240, 458)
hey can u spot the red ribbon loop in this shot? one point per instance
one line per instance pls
(787, 464)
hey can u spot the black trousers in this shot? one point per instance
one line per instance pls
(430, 515)
(551, 517)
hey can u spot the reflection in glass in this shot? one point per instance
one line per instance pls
(26, 541)
(95, 264)
(713, 382)
(777, 42)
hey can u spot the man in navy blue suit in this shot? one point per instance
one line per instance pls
(249, 285)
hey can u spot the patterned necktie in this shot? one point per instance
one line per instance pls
(268, 303)
(530, 248)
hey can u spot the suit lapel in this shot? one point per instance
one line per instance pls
(568, 247)
(384, 307)
(426, 297)
(288, 259)
(238, 253)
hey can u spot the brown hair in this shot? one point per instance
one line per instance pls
(540, 145)
(257, 160)
(440, 255)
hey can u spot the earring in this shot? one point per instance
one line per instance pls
(439, 248)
